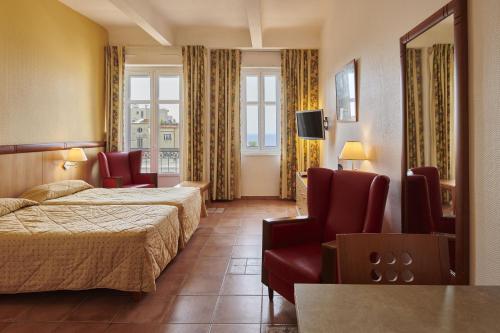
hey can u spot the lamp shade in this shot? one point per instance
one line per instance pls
(77, 155)
(353, 150)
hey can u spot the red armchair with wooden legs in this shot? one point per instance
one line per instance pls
(300, 249)
(123, 169)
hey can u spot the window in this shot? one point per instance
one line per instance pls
(260, 111)
(153, 107)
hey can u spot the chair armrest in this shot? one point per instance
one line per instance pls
(146, 178)
(286, 231)
(329, 271)
(112, 182)
(451, 237)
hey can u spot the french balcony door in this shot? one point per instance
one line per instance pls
(152, 116)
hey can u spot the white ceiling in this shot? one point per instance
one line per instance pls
(206, 13)
(169, 22)
(282, 14)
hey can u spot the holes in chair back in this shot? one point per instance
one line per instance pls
(391, 276)
(407, 276)
(375, 275)
(406, 258)
(375, 258)
(389, 258)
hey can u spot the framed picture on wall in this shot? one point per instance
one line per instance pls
(346, 92)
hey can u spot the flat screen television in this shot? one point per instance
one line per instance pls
(310, 125)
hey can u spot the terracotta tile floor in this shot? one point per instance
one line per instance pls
(212, 286)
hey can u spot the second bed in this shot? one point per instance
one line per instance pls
(186, 199)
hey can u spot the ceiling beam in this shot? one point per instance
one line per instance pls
(148, 19)
(254, 15)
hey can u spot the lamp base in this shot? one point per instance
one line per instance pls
(68, 165)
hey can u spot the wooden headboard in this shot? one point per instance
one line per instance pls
(25, 166)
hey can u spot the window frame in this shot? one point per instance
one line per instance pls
(261, 73)
(154, 73)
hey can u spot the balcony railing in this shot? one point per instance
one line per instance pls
(168, 160)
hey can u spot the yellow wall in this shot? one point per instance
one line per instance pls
(51, 73)
(370, 31)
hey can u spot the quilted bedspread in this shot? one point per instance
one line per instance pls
(85, 247)
(186, 199)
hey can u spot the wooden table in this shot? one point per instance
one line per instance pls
(393, 308)
(204, 187)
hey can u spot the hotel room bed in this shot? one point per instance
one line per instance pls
(72, 247)
(186, 199)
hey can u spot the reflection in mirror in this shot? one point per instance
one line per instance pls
(435, 167)
(431, 114)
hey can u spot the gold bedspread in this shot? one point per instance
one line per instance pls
(186, 199)
(84, 247)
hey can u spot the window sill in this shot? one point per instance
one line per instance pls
(260, 153)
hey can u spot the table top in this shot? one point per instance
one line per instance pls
(447, 183)
(395, 308)
(201, 185)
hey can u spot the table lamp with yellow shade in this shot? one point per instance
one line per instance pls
(352, 151)
(75, 155)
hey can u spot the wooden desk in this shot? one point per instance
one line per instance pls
(332, 308)
(450, 186)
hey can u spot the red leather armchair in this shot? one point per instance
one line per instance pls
(300, 249)
(122, 169)
(425, 208)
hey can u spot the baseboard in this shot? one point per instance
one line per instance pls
(259, 197)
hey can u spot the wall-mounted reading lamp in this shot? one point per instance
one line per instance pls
(75, 155)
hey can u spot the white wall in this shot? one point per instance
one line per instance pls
(353, 31)
(369, 31)
(153, 55)
(484, 46)
(260, 174)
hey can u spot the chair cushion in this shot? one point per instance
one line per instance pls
(295, 264)
(139, 186)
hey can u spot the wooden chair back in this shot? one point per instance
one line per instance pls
(393, 259)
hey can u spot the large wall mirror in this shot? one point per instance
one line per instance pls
(435, 114)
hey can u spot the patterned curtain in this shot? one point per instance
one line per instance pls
(415, 114)
(299, 91)
(225, 124)
(193, 60)
(442, 111)
(115, 74)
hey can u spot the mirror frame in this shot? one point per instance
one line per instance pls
(457, 8)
